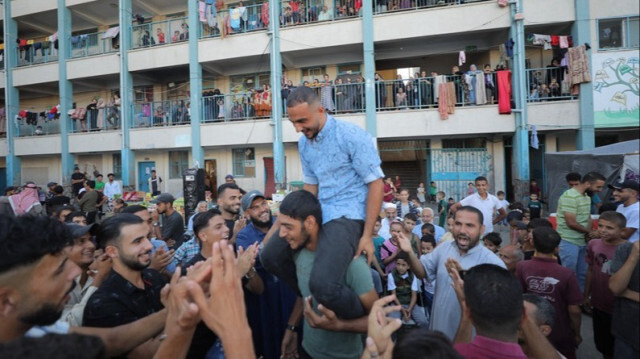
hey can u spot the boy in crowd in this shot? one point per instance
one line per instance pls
(449, 235)
(406, 286)
(427, 245)
(504, 203)
(543, 275)
(376, 263)
(597, 296)
(521, 232)
(535, 206)
(443, 209)
(527, 245)
(390, 248)
(433, 190)
(404, 206)
(512, 220)
(492, 241)
(409, 222)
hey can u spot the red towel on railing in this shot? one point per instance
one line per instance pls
(504, 92)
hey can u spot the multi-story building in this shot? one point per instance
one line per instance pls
(187, 74)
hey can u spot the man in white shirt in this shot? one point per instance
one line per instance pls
(390, 214)
(485, 202)
(627, 193)
(112, 187)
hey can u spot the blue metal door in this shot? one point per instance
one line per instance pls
(144, 173)
(453, 168)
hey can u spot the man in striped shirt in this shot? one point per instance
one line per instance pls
(574, 223)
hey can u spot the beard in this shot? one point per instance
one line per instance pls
(230, 209)
(260, 224)
(589, 193)
(47, 314)
(132, 263)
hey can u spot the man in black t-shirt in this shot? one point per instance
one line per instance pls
(229, 202)
(172, 230)
(58, 199)
(77, 181)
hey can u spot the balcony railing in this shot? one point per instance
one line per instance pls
(383, 6)
(99, 119)
(91, 44)
(235, 107)
(160, 33)
(234, 21)
(309, 11)
(161, 113)
(547, 84)
(38, 53)
(38, 126)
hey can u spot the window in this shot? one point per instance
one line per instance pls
(464, 143)
(143, 93)
(244, 162)
(618, 33)
(117, 166)
(244, 83)
(349, 69)
(178, 162)
(312, 73)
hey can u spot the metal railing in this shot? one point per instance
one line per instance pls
(91, 44)
(38, 53)
(161, 113)
(547, 84)
(40, 126)
(160, 33)
(309, 11)
(235, 107)
(384, 6)
(99, 119)
(234, 20)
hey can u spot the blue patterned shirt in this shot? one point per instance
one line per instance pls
(186, 252)
(342, 160)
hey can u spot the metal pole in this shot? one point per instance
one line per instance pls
(126, 94)
(195, 85)
(65, 88)
(369, 69)
(11, 94)
(582, 34)
(276, 99)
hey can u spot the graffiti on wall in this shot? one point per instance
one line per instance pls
(615, 88)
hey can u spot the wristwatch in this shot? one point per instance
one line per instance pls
(251, 273)
(156, 224)
(292, 327)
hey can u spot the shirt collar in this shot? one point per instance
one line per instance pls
(505, 348)
(544, 259)
(328, 127)
(118, 281)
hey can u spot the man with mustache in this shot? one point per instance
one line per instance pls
(467, 230)
(132, 291)
(269, 312)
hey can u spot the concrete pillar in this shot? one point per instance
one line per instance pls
(195, 85)
(581, 32)
(11, 94)
(276, 99)
(499, 169)
(126, 94)
(369, 69)
(65, 88)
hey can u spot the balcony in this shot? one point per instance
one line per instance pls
(161, 113)
(92, 44)
(36, 125)
(100, 118)
(160, 33)
(37, 53)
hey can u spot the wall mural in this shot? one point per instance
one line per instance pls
(615, 88)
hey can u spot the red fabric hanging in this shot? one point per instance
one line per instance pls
(504, 92)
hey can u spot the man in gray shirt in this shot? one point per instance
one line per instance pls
(467, 230)
(172, 229)
(89, 201)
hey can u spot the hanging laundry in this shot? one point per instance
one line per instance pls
(53, 37)
(504, 92)
(234, 20)
(443, 102)
(111, 32)
(481, 93)
(508, 46)
(201, 8)
(264, 13)
(210, 14)
(535, 143)
(578, 65)
(462, 58)
(208, 2)
(555, 40)
(564, 42)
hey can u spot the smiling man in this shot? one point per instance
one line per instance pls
(131, 291)
(467, 230)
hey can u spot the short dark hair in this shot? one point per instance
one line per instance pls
(516, 206)
(64, 207)
(545, 239)
(26, 239)
(472, 210)
(68, 346)
(422, 343)
(612, 216)
(573, 176)
(545, 313)
(494, 297)
(403, 190)
(428, 238)
(91, 183)
(300, 205)
(133, 209)
(402, 255)
(592, 177)
(111, 229)
(58, 189)
(9, 189)
(201, 220)
(225, 186)
(493, 237)
(302, 95)
(539, 222)
(428, 226)
(499, 193)
(74, 214)
(514, 216)
(378, 220)
(411, 216)
(481, 178)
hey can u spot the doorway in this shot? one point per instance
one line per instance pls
(3, 178)
(211, 177)
(144, 173)
(269, 176)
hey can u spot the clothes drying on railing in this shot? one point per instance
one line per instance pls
(111, 32)
(548, 42)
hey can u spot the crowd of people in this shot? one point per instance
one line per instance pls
(328, 277)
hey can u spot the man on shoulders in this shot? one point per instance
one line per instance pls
(627, 193)
(485, 202)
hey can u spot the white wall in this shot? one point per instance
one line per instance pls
(95, 141)
(37, 145)
(91, 66)
(36, 74)
(4, 149)
(163, 137)
(159, 56)
(41, 169)
(25, 7)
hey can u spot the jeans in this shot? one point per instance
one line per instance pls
(377, 281)
(418, 315)
(622, 350)
(572, 257)
(337, 243)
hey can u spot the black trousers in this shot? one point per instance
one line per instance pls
(337, 243)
